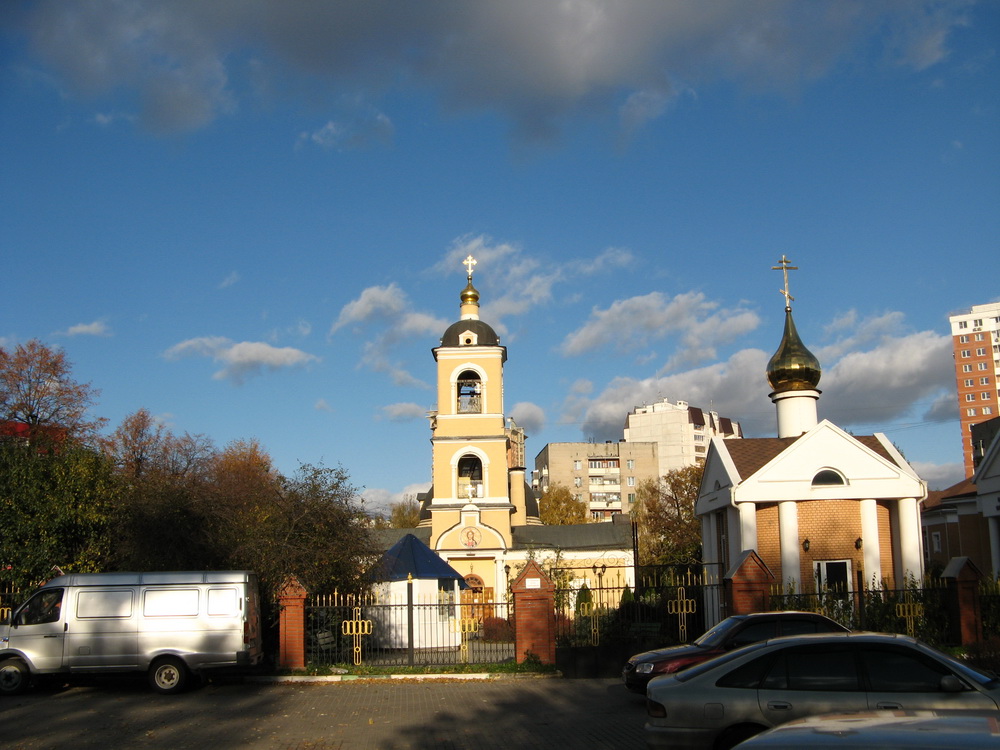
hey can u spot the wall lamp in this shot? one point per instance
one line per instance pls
(805, 545)
(858, 543)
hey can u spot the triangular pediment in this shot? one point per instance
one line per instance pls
(869, 467)
(987, 479)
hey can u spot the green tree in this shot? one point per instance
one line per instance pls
(405, 514)
(37, 390)
(664, 512)
(57, 509)
(558, 507)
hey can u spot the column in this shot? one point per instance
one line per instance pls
(748, 527)
(788, 531)
(910, 550)
(870, 539)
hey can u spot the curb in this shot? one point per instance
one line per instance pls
(290, 678)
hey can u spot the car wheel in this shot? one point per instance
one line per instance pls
(168, 675)
(735, 735)
(14, 676)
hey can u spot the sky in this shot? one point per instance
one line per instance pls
(249, 216)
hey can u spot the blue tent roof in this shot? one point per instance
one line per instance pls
(410, 556)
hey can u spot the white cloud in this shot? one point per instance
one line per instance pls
(97, 328)
(374, 302)
(401, 412)
(379, 501)
(322, 405)
(533, 62)
(241, 359)
(232, 278)
(939, 476)
(529, 416)
(632, 323)
(358, 132)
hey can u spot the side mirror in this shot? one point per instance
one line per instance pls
(951, 684)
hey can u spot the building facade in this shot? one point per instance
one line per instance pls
(602, 475)
(681, 432)
(976, 341)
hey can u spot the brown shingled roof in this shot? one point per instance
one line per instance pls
(751, 454)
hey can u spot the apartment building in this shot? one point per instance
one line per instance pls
(603, 475)
(976, 341)
(681, 432)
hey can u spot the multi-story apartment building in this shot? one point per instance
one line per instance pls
(681, 432)
(603, 475)
(976, 340)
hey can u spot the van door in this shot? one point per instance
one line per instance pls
(101, 629)
(38, 630)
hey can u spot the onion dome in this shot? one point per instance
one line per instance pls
(470, 295)
(793, 367)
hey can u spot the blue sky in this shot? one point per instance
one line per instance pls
(249, 217)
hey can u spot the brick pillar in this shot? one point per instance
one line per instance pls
(534, 614)
(292, 625)
(748, 585)
(964, 623)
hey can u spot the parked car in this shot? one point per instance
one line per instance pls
(733, 632)
(726, 700)
(886, 730)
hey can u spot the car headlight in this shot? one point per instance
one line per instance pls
(644, 668)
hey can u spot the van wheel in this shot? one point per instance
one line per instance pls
(14, 676)
(168, 675)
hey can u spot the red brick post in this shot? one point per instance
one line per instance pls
(534, 615)
(748, 585)
(292, 625)
(965, 624)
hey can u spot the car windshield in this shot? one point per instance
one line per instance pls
(718, 661)
(716, 636)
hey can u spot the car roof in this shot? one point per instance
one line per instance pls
(853, 636)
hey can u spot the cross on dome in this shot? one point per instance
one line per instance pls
(469, 263)
(784, 267)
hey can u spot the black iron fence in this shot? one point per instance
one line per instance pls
(380, 630)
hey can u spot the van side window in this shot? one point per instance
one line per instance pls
(41, 608)
(223, 602)
(104, 604)
(170, 603)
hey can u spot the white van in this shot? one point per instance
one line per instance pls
(170, 625)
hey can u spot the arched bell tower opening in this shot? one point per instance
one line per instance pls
(470, 477)
(469, 393)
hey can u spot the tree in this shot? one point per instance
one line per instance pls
(664, 512)
(405, 514)
(36, 389)
(558, 507)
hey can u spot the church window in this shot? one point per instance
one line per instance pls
(470, 477)
(827, 478)
(470, 393)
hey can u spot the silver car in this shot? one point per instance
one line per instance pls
(728, 699)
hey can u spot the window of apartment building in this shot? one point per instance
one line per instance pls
(980, 352)
(970, 412)
(968, 382)
(935, 541)
(631, 497)
(984, 381)
(630, 482)
(966, 368)
(979, 337)
(965, 354)
(630, 463)
(982, 365)
(978, 323)
(578, 481)
(963, 339)
(963, 324)
(577, 465)
(984, 396)
(987, 410)
(970, 396)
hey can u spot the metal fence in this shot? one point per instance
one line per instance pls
(9, 599)
(378, 630)
(667, 605)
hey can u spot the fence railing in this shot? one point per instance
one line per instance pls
(378, 630)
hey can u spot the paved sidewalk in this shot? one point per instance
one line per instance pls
(501, 714)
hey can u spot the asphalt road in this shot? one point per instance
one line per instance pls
(500, 714)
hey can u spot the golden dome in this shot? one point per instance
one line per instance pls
(792, 367)
(470, 295)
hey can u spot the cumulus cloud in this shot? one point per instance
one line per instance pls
(403, 412)
(241, 359)
(379, 501)
(97, 328)
(534, 63)
(632, 323)
(374, 302)
(528, 416)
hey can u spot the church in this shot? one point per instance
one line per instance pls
(480, 514)
(822, 509)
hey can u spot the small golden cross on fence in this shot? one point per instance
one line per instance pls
(466, 626)
(357, 628)
(910, 611)
(682, 608)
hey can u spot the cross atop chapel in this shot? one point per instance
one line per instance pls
(469, 263)
(784, 267)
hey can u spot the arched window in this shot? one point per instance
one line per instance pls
(470, 477)
(475, 583)
(828, 478)
(470, 393)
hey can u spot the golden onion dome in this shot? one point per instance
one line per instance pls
(470, 295)
(793, 367)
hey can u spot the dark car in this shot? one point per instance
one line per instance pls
(735, 696)
(733, 632)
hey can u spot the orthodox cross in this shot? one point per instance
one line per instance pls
(784, 267)
(469, 263)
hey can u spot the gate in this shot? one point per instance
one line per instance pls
(379, 631)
